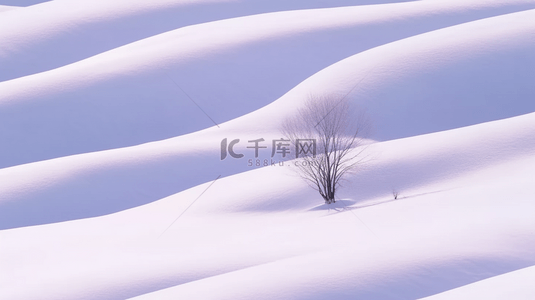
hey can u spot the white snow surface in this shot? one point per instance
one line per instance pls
(6, 8)
(513, 285)
(112, 115)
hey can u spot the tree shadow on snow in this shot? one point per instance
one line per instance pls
(338, 205)
(346, 204)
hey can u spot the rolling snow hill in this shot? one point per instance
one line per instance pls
(112, 115)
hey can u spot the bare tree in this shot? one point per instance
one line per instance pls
(335, 129)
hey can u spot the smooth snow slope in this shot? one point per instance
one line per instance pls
(247, 63)
(20, 3)
(452, 109)
(6, 8)
(104, 182)
(516, 285)
(262, 235)
(59, 32)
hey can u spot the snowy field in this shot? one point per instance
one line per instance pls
(112, 116)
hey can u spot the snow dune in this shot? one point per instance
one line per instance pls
(513, 285)
(59, 32)
(261, 234)
(112, 185)
(98, 183)
(248, 62)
